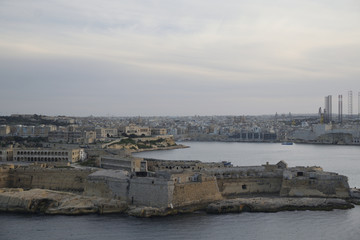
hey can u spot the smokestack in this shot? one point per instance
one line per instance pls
(350, 104)
(340, 111)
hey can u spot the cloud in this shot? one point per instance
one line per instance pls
(161, 53)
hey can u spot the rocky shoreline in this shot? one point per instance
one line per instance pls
(178, 146)
(54, 202)
(63, 203)
(276, 204)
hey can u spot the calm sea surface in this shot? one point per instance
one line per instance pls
(338, 224)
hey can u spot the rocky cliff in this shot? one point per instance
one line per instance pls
(55, 202)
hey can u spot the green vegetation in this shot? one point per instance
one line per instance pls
(142, 146)
(33, 120)
(143, 143)
(127, 141)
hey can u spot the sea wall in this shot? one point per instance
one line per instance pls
(232, 187)
(297, 183)
(5, 176)
(151, 191)
(108, 184)
(190, 193)
(55, 202)
(70, 180)
(238, 181)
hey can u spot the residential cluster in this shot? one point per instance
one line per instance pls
(267, 128)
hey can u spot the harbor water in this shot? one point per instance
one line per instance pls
(337, 224)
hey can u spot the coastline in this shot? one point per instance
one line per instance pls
(295, 142)
(64, 203)
(43, 201)
(178, 146)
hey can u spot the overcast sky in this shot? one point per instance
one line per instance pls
(185, 57)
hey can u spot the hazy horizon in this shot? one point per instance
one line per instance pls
(183, 58)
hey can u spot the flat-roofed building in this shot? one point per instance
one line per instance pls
(4, 130)
(6, 154)
(127, 164)
(49, 155)
(132, 129)
(102, 133)
(58, 136)
(158, 131)
(43, 130)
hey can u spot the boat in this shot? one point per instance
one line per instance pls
(287, 143)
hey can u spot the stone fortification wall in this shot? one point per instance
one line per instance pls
(5, 176)
(238, 181)
(200, 192)
(171, 165)
(231, 187)
(151, 191)
(108, 184)
(72, 180)
(297, 183)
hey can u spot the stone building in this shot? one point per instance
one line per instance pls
(6, 154)
(121, 163)
(56, 156)
(133, 129)
(102, 133)
(4, 130)
(158, 131)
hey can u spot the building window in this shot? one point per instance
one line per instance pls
(244, 187)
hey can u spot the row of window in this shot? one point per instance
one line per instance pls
(40, 159)
(42, 153)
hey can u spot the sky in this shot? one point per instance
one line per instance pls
(175, 58)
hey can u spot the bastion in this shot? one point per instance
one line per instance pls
(161, 187)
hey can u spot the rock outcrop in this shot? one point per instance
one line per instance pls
(275, 204)
(55, 202)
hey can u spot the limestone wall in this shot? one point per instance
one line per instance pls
(108, 184)
(314, 184)
(150, 191)
(4, 176)
(249, 185)
(72, 180)
(196, 192)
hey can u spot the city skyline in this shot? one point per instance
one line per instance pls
(160, 58)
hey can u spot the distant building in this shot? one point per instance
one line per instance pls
(127, 164)
(58, 136)
(6, 154)
(158, 131)
(133, 129)
(102, 133)
(49, 155)
(88, 137)
(4, 130)
(80, 137)
(43, 130)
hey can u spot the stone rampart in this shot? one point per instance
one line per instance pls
(297, 183)
(70, 180)
(151, 191)
(237, 181)
(4, 176)
(232, 187)
(196, 192)
(108, 184)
